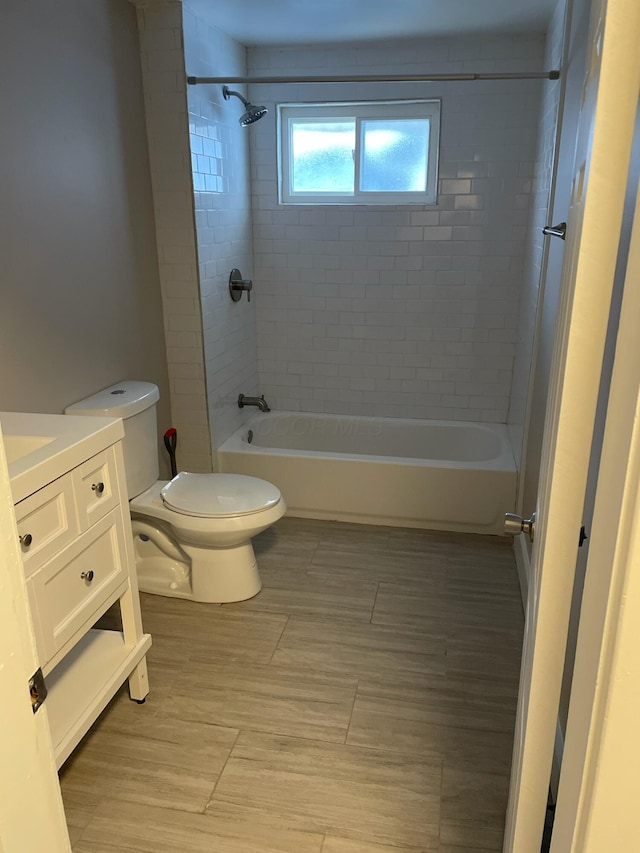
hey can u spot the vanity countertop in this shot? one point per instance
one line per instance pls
(40, 448)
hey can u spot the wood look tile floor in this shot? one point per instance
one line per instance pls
(363, 702)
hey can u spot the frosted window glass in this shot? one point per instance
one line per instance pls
(394, 155)
(322, 156)
(367, 152)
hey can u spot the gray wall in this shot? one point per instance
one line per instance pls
(80, 303)
(164, 85)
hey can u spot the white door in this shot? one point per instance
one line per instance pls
(599, 787)
(31, 814)
(605, 133)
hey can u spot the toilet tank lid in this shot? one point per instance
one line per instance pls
(122, 400)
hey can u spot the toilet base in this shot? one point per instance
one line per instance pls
(220, 575)
(213, 575)
(155, 577)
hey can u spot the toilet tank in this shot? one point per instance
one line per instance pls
(134, 402)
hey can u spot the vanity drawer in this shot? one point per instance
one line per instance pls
(96, 487)
(47, 522)
(70, 588)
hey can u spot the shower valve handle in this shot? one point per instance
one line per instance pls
(237, 285)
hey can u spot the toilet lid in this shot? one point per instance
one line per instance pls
(218, 495)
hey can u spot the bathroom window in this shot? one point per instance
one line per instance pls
(359, 153)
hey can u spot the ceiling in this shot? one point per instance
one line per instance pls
(286, 22)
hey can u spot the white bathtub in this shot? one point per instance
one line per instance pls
(442, 475)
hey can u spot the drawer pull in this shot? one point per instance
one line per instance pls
(98, 487)
(26, 540)
(88, 576)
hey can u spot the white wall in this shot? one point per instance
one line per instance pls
(220, 166)
(400, 311)
(530, 308)
(547, 311)
(80, 304)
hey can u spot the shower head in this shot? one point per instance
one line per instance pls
(251, 114)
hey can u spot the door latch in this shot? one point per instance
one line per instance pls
(37, 689)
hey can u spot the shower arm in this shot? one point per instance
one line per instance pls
(228, 92)
(252, 112)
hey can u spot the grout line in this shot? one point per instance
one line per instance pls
(275, 649)
(88, 823)
(312, 558)
(440, 803)
(375, 601)
(353, 705)
(224, 767)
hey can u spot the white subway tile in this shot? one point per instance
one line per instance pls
(341, 284)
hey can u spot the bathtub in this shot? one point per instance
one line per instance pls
(440, 475)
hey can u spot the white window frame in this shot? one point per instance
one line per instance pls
(360, 110)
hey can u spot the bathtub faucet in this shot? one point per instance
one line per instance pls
(260, 402)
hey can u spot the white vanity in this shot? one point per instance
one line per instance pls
(69, 491)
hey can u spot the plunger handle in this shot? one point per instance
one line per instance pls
(170, 441)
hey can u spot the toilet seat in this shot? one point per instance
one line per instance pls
(218, 495)
(204, 531)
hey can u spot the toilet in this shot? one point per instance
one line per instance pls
(192, 534)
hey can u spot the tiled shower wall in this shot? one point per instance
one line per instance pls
(407, 311)
(222, 203)
(542, 178)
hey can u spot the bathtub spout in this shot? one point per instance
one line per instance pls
(260, 402)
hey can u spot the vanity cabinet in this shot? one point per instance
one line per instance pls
(77, 548)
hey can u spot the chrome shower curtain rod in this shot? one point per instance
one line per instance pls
(389, 78)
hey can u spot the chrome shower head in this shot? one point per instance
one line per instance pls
(251, 114)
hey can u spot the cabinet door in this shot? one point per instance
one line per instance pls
(72, 589)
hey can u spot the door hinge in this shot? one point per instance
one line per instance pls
(37, 689)
(583, 537)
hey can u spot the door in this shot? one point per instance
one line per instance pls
(31, 814)
(599, 789)
(603, 145)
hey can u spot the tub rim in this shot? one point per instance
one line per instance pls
(505, 461)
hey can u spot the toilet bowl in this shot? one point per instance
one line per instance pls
(200, 527)
(192, 534)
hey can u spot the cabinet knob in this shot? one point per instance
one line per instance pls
(98, 487)
(88, 576)
(26, 540)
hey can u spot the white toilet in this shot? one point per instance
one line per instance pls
(192, 535)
